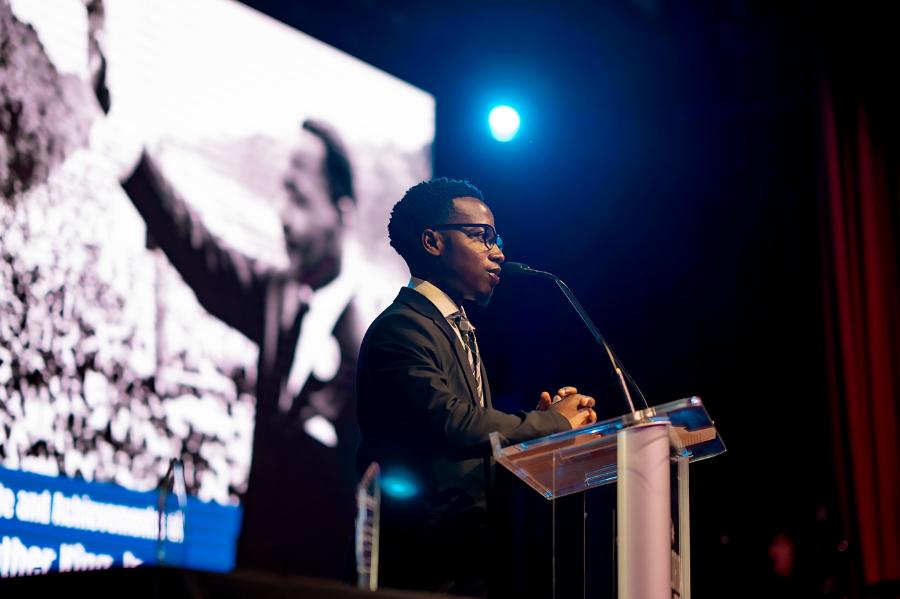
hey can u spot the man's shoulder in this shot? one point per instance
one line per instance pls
(398, 313)
(406, 315)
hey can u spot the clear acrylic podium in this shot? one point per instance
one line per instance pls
(642, 452)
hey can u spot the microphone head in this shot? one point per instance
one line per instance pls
(516, 269)
(521, 270)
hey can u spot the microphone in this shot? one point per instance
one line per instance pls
(517, 269)
(523, 270)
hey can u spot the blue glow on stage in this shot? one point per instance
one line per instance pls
(399, 484)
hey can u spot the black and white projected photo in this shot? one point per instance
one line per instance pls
(193, 241)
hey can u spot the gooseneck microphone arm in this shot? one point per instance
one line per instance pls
(517, 268)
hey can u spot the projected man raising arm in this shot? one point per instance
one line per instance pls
(269, 306)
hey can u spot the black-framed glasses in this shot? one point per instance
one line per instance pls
(488, 233)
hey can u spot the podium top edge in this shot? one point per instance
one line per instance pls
(688, 414)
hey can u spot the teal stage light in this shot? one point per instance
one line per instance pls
(504, 122)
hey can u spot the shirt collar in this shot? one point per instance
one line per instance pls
(443, 302)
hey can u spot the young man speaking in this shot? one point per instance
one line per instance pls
(424, 400)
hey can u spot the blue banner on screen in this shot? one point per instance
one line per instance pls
(56, 524)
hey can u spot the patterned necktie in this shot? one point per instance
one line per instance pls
(467, 330)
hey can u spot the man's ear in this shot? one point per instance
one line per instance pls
(433, 242)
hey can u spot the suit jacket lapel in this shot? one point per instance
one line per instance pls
(423, 305)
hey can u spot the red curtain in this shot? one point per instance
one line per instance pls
(861, 235)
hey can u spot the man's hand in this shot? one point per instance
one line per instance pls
(577, 409)
(546, 401)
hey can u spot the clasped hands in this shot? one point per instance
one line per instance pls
(578, 409)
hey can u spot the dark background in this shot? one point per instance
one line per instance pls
(667, 169)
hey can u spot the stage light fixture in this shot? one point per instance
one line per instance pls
(504, 122)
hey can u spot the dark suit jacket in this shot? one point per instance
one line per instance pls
(420, 420)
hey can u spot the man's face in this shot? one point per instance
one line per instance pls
(468, 269)
(312, 222)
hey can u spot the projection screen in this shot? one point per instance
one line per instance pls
(192, 192)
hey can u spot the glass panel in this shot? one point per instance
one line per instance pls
(586, 457)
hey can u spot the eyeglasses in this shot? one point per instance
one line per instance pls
(488, 233)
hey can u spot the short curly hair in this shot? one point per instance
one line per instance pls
(424, 205)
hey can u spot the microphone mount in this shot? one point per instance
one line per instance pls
(519, 269)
